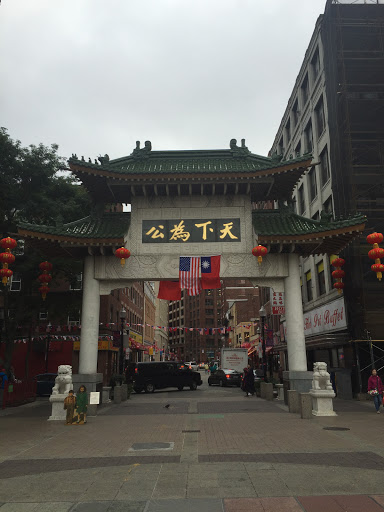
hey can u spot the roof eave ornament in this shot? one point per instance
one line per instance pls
(236, 150)
(144, 152)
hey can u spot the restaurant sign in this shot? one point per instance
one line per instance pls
(329, 317)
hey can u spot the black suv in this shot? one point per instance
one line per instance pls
(159, 375)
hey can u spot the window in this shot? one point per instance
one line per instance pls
(315, 64)
(308, 279)
(320, 117)
(312, 184)
(295, 113)
(316, 216)
(301, 200)
(305, 90)
(327, 207)
(308, 136)
(298, 149)
(43, 315)
(321, 277)
(288, 131)
(77, 283)
(74, 318)
(15, 282)
(324, 166)
(281, 147)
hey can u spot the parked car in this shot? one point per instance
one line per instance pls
(45, 383)
(225, 377)
(192, 365)
(166, 374)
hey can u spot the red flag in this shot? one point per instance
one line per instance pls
(169, 290)
(210, 272)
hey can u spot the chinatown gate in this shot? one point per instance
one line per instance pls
(193, 203)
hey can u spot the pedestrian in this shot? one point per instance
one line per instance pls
(249, 381)
(206, 367)
(376, 389)
(69, 406)
(81, 405)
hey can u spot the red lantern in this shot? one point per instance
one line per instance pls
(8, 243)
(338, 262)
(375, 238)
(123, 254)
(44, 290)
(6, 258)
(5, 273)
(338, 274)
(259, 251)
(378, 268)
(44, 278)
(339, 286)
(376, 253)
(46, 266)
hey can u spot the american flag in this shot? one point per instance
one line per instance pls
(189, 274)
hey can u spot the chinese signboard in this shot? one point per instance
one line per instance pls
(329, 317)
(191, 230)
(278, 307)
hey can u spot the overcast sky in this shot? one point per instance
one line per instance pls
(94, 76)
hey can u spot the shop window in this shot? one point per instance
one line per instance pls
(321, 278)
(324, 166)
(308, 279)
(312, 184)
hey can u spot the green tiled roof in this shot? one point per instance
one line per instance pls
(107, 226)
(191, 162)
(284, 222)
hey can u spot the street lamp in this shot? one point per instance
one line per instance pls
(123, 315)
(262, 315)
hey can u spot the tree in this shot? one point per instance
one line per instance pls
(34, 188)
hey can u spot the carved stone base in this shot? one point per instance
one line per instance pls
(58, 412)
(322, 402)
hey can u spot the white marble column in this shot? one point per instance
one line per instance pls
(297, 357)
(89, 319)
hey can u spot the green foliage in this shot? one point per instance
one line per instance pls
(33, 189)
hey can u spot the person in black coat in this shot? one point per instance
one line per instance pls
(249, 381)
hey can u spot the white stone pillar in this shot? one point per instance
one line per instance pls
(89, 319)
(297, 357)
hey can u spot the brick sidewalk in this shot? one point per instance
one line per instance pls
(220, 451)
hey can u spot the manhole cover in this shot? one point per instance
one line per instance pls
(336, 428)
(151, 446)
(189, 431)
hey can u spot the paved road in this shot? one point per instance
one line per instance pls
(210, 450)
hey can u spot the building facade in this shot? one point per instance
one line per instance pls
(334, 113)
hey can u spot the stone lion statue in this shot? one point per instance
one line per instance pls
(321, 378)
(63, 381)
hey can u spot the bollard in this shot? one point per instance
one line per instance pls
(269, 391)
(293, 401)
(280, 391)
(124, 392)
(306, 406)
(117, 394)
(262, 389)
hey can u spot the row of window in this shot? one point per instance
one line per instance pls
(324, 173)
(320, 275)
